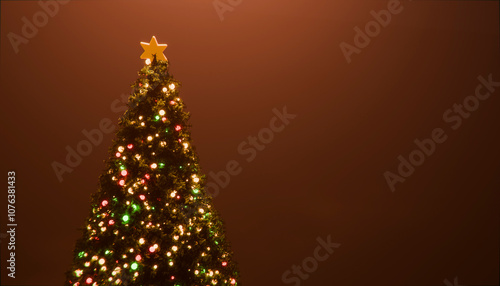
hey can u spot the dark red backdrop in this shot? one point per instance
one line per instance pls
(322, 175)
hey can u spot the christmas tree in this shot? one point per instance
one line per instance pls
(151, 221)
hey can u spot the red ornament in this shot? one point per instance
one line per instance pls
(104, 203)
(121, 182)
(111, 222)
(130, 146)
(89, 280)
(124, 172)
(147, 176)
(143, 197)
(138, 257)
(164, 119)
(118, 154)
(224, 263)
(178, 127)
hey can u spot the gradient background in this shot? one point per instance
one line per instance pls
(323, 175)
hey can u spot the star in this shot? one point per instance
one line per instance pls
(153, 48)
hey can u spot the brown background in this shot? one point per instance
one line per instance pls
(321, 176)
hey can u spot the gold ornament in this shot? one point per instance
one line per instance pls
(153, 48)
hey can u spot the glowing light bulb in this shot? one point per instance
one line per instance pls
(150, 138)
(196, 180)
(125, 218)
(121, 182)
(141, 241)
(164, 89)
(134, 266)
(153, 166)
(101, 261)
(130, 146)
(121, 149)
(88, 281)
(162, 112)
(174, 248)
(224, 263)
(118, 154)
(104, 203)
(138, 257)
(78, 272)
(148, 61)
(178, 127)
(111, 222)
(124, 172)
(152, 249)
(142, 197)
(171, 86)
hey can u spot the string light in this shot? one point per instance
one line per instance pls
(167, 193)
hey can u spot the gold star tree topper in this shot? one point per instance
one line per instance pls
(153, 48)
